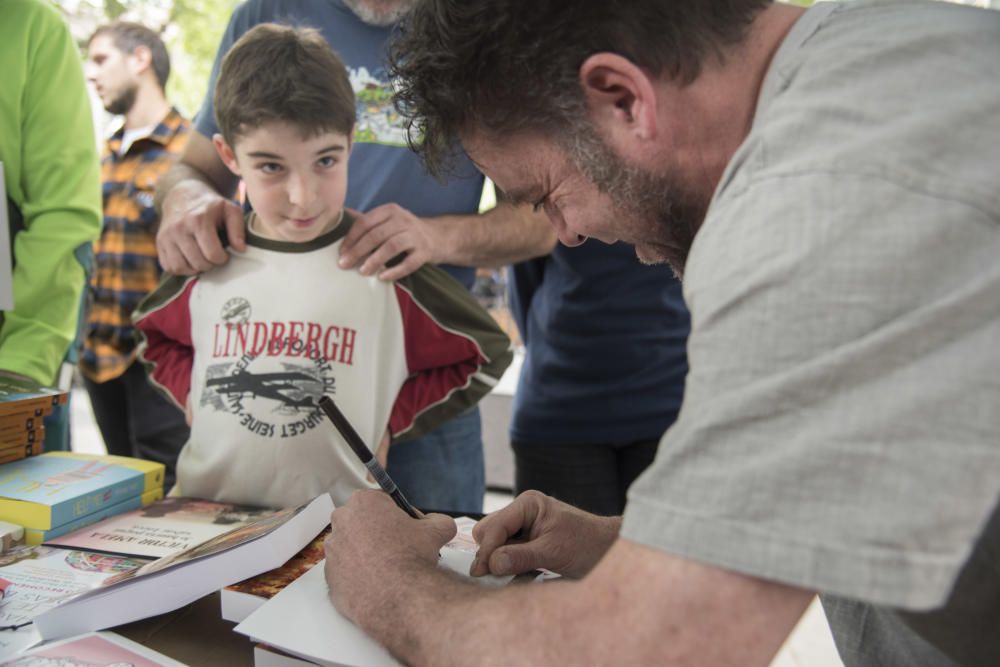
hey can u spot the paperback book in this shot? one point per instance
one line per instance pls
(18, 394)
(33, 536)
(162, 528)
(302, 622)
(243, 598)
(173, 581)
(56, 488)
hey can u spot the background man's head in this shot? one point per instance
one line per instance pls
(122, 57)
(380, 12)
(280, 73)
(502, 68)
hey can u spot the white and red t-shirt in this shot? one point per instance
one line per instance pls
(251, 345)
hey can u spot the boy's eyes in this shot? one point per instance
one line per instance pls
(327, 161)
(270, 167)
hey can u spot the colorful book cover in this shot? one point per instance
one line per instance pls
(33, 536)
(42, 578)
(163, 528)
(97, 649)
(18, 394)
(241, 599)
(171, 582)
(55, 488)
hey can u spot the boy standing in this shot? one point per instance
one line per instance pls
(249, 346)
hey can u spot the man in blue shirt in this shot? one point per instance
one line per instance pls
(402, 209)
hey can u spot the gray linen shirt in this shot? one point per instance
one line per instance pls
(841, 422)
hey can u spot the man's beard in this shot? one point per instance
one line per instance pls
(380, 13)
(123, 103)
(669, 211)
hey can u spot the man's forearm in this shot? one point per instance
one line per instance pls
(184, 175)
(503, 235)
(639, 606)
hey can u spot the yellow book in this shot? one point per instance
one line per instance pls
(55, 488)
(33, 536)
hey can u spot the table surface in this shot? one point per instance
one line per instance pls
(196, 635)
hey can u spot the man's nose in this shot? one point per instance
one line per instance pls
(566, 237)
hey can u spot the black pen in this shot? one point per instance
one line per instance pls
(366, 456)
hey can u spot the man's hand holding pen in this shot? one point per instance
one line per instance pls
(370, 536)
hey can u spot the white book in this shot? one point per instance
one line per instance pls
(174, 581)
(301, 620)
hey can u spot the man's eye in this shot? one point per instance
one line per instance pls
(326, 161)
(270, 168)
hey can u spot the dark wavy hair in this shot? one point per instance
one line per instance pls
(513, 65)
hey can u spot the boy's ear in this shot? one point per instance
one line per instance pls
(226, 154)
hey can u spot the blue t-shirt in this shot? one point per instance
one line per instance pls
(382, 168)
(605, 346)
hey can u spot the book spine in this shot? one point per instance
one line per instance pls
(88, 503)
(33, 536)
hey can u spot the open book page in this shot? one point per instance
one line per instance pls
(301, 620)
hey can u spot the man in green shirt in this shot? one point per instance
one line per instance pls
(53, 195)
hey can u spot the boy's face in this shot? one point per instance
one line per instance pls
(295, 184)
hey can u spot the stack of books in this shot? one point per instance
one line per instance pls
(58, 492)
(23, 405)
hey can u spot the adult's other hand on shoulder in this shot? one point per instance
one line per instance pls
(383, 233)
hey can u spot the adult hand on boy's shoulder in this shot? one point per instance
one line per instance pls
(188, 240)
(383, 233)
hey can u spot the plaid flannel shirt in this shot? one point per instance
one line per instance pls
(125, 263)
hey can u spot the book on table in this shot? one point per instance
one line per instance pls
(301, 622)
(162, 528)
(33, 536)
(241, 599)
(91, 650)
(167, 583)
(55, 488)
(20, 394)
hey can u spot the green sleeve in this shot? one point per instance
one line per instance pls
(52, 174)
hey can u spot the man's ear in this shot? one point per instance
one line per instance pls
(226, 154)
(620, 97)
(142, 59)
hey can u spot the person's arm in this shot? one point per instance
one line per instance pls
(194, 201)
(59, 197)
(455, 351)
(502, 235)
(637, 606)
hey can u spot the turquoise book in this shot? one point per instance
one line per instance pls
(55, 488)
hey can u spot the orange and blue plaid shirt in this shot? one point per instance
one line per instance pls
(125, 263)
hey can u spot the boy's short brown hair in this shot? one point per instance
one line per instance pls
(281, 73)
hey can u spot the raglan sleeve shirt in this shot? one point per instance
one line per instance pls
(455, 352)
